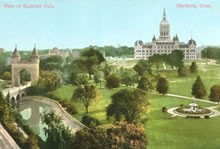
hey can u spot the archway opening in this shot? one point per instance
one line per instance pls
(22, 95)
(18, 98)
(24, 76)
(13, 100)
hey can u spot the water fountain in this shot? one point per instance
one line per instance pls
(192, 109)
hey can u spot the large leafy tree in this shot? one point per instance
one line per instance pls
(142, 66)
(49, 81)
(121, 136)
(86, 94)
(162, 85)
(198, 88)
(144, 83)
(58, 135)
(79, 79)
(130, 103)
(129, 77)
(52, 63)
(156, 59)
(113, 81)
(211, 52)
(90, 59)
(215, 93)
(175, 59)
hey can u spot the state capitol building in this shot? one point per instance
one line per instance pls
(164, 45)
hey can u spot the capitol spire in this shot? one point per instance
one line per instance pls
(164, 13)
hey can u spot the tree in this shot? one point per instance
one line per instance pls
(99, 77)
(58, 135)
(193, 67)
(182, 71)
(130, 103)
(144, 83)
(198, 88)
(79, 79)
(211, 53)
(121, 136)
(113, 81)
(129, 77)
(215, 93)
(5, 110)
(156, 59)
(175, 59)
(142, 66)
(25, 76)
(6, 75)
(162, 85)
(51, 63)
(86, 94)
(91, 58)
(48, 81)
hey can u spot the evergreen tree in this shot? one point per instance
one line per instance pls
(215, 93)
(162, 85)
(198, 88)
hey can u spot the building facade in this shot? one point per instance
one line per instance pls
(164, 44)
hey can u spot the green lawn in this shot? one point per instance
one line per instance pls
(96, 109)
(164, 131)
(210, 75)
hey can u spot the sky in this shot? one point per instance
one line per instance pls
(80, 23)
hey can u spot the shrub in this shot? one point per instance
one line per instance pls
(206, 116)
(181, 105)
(113, 81)
(164, 109)
(89, 121)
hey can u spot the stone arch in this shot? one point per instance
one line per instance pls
(13, 100)
(31, 68)
(30, 65)
(22, 95)
(18, 98)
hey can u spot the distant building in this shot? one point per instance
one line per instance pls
(75, 53)
(164, 45)
(2, 50)
(56, 52)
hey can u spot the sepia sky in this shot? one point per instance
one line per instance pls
(80, 23)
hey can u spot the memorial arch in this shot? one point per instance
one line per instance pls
(31, 66)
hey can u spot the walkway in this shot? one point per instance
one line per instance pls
(185, 97)
(6, 142)
(212, 108)
(15, 90)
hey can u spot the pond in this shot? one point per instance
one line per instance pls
(31, 109)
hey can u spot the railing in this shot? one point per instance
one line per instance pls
(15, 90)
